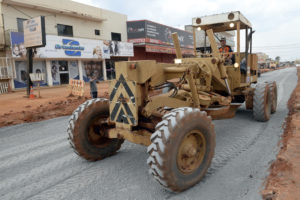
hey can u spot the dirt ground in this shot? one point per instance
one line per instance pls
(283, 183)
(16, 108)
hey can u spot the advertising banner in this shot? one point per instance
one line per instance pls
(17, 45)
(55, 72)
(34, 32)
(93, 69)
(116, 48)
(136, 29)
(154, 33)
(67, 47)
(73, 70)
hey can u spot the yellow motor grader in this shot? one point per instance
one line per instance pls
(176, 126)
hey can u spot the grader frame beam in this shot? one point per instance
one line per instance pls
(141, 137)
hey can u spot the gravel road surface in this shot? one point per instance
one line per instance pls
(36, 161)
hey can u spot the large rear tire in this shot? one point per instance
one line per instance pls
(273, 91)
(262, 102)
(85, 130)
(182, 148)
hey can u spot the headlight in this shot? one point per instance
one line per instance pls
(199, 29)
(231, 25)
(178, 61)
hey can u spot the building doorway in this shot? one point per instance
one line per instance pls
(63, 72)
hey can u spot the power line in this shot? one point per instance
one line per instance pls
(283, 45)
(291, 50)
(296, 47)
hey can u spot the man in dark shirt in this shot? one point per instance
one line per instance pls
(93, 85)
(226, 50)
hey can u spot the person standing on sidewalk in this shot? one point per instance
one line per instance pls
(93, 85)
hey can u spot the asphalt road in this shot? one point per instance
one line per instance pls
(36, 161)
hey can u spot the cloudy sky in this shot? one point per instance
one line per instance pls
(276, 22)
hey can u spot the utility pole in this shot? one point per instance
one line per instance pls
(29, 69)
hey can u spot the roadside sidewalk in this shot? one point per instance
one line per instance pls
(16, 108)
(284, 180)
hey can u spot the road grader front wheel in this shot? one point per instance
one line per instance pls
(182, 148)
(85, 130)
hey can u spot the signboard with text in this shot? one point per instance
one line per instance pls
(68, 47)
(34, 32)
(155, 33)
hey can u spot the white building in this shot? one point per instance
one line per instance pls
(81, 40)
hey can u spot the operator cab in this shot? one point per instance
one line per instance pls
(232, 24)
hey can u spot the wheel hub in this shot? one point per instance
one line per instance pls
(191, 152)
(95, 133)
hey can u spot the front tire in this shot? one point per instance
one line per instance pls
(85, 131)
(182, 148)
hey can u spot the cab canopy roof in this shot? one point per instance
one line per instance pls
(222, 22)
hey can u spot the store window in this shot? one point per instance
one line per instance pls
(110, 70)
(116, 36)
(93, 69)
(20, 24)
(64, 30)
(63, 72)
(63, 66)
(20, 80)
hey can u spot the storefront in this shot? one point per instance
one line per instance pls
(153, 41)
(20, 68)
(62, 71)
(65, 58)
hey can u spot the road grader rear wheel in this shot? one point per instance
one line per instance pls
(262, 102)
(182, 148)
(85, 131)
(273, 91)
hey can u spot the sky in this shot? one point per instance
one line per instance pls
(276, 22)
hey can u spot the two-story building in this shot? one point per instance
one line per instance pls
(97, 36)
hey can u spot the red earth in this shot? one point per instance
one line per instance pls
(283, 182)
(16, 108)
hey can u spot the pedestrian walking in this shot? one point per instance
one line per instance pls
(93, 85)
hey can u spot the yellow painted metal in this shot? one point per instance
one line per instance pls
(138, 71)
(192, 85)
(141, 137)
(216, 53)
(238, 35)
(200, 82)
(175, 69)
(123, 102)
(191, 152)
(163, 100)
(176, 45)
(213, 44)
